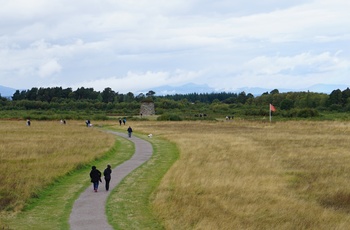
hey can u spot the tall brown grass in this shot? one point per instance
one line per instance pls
(31, 157)
(253, 175)
(230, 175)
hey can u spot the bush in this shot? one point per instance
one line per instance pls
(335, 107)
(169, 117)
(256, 112)
(307, 113)
(302, 113)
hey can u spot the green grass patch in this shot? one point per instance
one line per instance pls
(52, 207)
(130, 205)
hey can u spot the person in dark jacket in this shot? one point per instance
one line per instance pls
(129, 131)
(107, 173)
(95, 176)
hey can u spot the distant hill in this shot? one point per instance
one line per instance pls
(323, 88)
(183, 89)
(256, 91)
(6, 91)
(318, 88)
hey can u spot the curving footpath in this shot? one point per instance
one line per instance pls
(89, 209)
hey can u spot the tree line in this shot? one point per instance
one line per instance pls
(58, 98)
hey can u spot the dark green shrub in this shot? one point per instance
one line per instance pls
(305, 113)
(301, 113)
(169, 117)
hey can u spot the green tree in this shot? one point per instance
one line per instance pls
(345, 96)
(140, 97)
(108, 95)
(32, 94)
(242, 97)
(287, 104)
(19, 95)
(150, 93)
(129, 97)
(335, 98)
(275, 91)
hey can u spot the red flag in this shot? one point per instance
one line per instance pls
(272, 108)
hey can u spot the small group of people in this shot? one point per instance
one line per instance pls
(122, 121)
(95, 176)
(88, 123)
(229, 117)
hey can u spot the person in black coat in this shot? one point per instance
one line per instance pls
(107, 173)
(129, 131)
(95, 176)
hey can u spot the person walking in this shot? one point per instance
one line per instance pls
(120, 121)
(107, 173)
(129, 131)
(95, 176)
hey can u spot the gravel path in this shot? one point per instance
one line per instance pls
(89, 209)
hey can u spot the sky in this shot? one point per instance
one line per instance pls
(133, 45)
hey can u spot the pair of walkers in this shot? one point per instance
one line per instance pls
(95, 176)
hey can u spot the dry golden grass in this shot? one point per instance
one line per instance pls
(33, 157)
(230, 175)
(253, 175)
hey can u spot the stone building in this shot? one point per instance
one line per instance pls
(147, 108)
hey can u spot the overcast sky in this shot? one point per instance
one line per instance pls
(131, 45)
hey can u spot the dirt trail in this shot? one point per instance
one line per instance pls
(89, 209)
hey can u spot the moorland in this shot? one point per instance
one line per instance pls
(229, 174)
(207, 172)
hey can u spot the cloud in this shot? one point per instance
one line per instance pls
(136, 82)
(49, 68)
(134, 44)
(277, 71)
(301, 64)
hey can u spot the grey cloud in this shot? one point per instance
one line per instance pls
(72, 42)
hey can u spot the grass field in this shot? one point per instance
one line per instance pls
(255, 175)
(31, 157)
(237, 174)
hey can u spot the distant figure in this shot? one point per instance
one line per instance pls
(141, 115)
(88, 123)
(124, 121)
(95, 176)
(120, 121)
(129, 131)
(28, 122)
(64, 122)
(107, 173)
